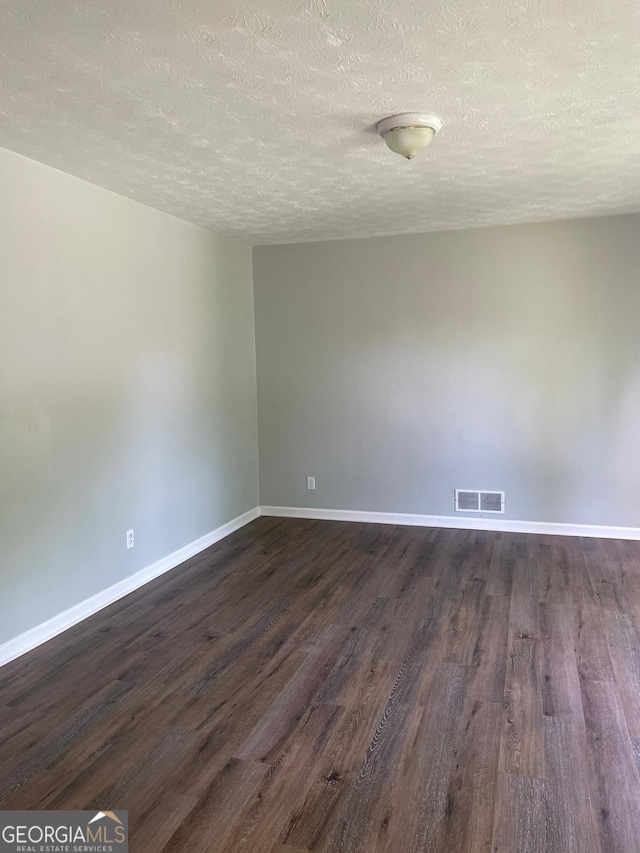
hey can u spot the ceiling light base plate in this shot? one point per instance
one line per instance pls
(409, 120)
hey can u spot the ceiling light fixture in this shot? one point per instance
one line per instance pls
(408, 133)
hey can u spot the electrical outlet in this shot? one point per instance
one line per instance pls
(129, 539)
(311, 483)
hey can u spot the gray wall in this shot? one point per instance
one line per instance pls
(127, 388)
(397, 369)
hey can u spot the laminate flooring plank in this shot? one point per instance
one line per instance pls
(278, 722)
(153, 831)
(592, 649)
(341, 760)
(489, 657)
(501, 567)
(561, 696)
(413, 806)
(524, 614)
(466, 825)
(520, 816)
(569, 793)
(613, 768)
(624, 652)
(356, 817)
(464, 620)
(272, 802)
(521, 749)
(209, 824)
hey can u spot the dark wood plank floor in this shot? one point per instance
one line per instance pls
(321, 686)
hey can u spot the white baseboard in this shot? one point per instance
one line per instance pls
(47, 630)
(458, 522)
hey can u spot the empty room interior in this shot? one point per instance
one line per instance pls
(320, 426)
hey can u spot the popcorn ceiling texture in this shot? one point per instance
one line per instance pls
(254, 119)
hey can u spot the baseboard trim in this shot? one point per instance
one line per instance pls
(462, 523)
(34, 637)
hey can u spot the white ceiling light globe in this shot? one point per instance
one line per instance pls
(409, 133)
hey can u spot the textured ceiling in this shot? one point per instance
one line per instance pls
(254, 119)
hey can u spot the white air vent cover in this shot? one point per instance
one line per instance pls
(474, 500)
